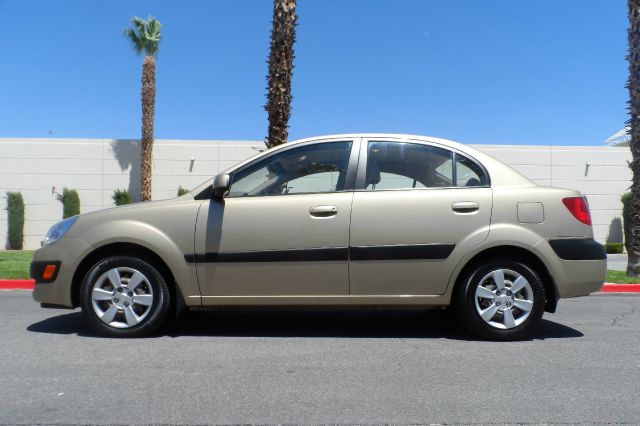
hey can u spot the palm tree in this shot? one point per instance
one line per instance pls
(145, 38)
(633, 84)
(283, 36)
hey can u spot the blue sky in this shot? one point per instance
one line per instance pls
(479, 71)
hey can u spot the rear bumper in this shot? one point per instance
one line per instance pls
(580, 277)
(578, 265)
(578, 249)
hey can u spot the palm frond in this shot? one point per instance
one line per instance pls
(131, 35)
(139, 23)
(145, 35)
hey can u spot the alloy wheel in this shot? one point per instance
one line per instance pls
(122, 297)
(504, 299)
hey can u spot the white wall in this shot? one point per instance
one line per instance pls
(95, 167)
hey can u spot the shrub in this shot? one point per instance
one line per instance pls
(626, 219)
(70, 202)
(613, 248)
(182, 191)
(15, 210)
(122, 197)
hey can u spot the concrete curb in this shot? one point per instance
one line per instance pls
(620, 288)
(607, 288)
(17, 284)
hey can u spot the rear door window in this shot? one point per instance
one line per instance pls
(401, 165)
(469, 173)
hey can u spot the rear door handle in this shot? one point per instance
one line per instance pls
(323, 211)
(465, 206)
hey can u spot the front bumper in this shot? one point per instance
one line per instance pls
(45, 271)
(68, 252)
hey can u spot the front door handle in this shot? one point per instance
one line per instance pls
(323, 211)
(465, 206)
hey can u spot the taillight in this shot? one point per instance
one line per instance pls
(579, 209)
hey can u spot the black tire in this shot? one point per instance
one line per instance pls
(154, 288)
(467, 305)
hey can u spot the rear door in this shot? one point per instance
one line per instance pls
(417, 210)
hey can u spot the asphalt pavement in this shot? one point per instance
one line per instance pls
(321, 366)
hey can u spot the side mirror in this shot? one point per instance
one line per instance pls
(220, 186)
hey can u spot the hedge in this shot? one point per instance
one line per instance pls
(613, 248)
(15, 210)
(182, 191)
(122, 197)
(70, 202)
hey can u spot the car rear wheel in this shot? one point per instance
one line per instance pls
(501, 300)
(124, 296)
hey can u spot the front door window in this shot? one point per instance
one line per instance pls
(308, 169)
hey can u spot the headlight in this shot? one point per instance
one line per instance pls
(58, 230)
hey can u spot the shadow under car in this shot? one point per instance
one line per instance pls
(307, 322)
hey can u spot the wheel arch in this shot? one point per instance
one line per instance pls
(519, 254)
(124, 249)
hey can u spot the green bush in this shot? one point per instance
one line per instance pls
(626, 219)
(613, 248)
(70, 202)
(122, 197)
(182, 191)
(15, 210)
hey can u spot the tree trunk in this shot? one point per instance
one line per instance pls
(283, 37)
(633, 84)
(148, 114)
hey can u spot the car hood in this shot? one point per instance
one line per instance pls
(152, 212)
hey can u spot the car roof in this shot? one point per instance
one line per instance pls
(397, 136)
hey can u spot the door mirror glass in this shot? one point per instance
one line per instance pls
(220, 186)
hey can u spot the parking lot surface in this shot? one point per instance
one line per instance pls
(321, 366)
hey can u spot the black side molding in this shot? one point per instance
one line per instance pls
(397, 252)
(393, 252)
(316, 254)
(578, 249)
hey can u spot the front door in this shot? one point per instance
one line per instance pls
(418, 210)
(283, 229)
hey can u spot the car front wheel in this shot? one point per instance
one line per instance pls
(123, 296)
(501, 300)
